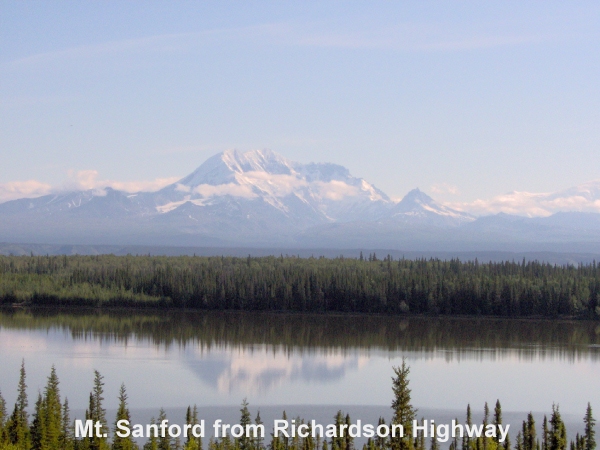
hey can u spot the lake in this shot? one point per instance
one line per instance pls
(309, 364)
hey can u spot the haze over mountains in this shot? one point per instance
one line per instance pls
(261, 199)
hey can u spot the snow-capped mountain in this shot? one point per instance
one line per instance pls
(419, 208)
(259, 198)
(307, 193)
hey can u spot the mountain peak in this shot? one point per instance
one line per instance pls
(417, 206)
(223, 167)
(416, 196)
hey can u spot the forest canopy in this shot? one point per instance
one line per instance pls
(364, 285)
(51, 427)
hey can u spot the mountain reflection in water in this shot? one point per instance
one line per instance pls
(258, 370)
(277, 359)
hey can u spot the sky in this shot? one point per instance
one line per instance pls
(466, 100)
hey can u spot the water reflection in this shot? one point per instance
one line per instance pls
(258, 370)
(278, 359)
(460, 338)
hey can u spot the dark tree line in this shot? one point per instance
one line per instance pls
(365, 285)
(51, 428)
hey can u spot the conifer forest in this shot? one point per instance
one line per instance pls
(51, 427)
(363, 285)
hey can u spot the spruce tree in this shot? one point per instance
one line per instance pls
(497, 420)
(349, 440)
(338, 442)
(258, 445)
(506, 443)
(545, 434)
(152, 443)
(380, 442)
(245, 442)
(191, 418)
(67, 434)
(404, 413)
(558, 432)
(38, 425)
(435, 445)
(285, 441)
(122, 443)
(18, 424)
(196, 421)
(466, 441)
(529, 433)
(590, 433)
(164, 442)
(454, 443)
(3, 437)
(420, 438)
(52, 414)
(486, 418)
(97, 414)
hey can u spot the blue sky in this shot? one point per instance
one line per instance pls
(465, 100)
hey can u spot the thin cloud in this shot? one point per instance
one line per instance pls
(15, 190)
(235, 190)
(336, 190)
(411, 37)
(169, 43)
(82, 180)
(278, 184)
(583, 198)
(417, 42)
(444, 189)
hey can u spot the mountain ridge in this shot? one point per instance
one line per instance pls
(261, 198)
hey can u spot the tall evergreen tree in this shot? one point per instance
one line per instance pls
(529, 433)
(97, 414)
(244, 442)
(3, 437)
(67, 434)
(506, 443)
(466, 441)
(404, 412)
(380, 441)
(122, 443)
(435, 445)
(497, 420)
(152, 443)
(338, 442)
(38, 425)
(258, 444)
(590, 433)
(545, 434)
(18, 425)
(349, 440)
(191, 418)
(454, 443)
(486, 418)
(164, 442)
(558, 432)
(52, 413)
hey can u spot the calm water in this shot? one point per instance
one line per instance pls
(175, 359)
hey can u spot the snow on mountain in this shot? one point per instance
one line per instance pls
(417, 207)
(259, 198)
(582, 198)
(307, 192)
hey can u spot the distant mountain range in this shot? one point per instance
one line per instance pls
(261, 199)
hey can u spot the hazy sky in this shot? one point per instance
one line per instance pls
(476, 98)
